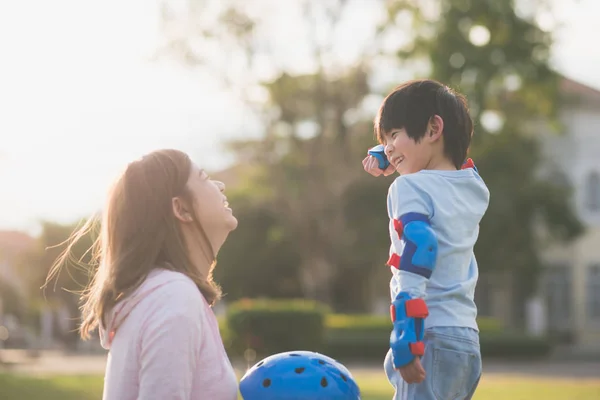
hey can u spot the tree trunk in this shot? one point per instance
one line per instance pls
(316, 274)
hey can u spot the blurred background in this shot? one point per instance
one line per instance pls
(277, 98)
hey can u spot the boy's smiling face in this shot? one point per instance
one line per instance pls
(403, 152)
(408, 155)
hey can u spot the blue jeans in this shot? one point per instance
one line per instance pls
(452, 364)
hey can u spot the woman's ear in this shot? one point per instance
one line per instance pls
(435, 128)
(180, 210)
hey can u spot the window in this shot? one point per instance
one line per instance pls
(558, 295)
(593, 292)
(592, 192)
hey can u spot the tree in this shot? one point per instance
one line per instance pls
(64, 288)
(305, 169)
(499, 57)
(260, 259)
(307, 158)
(11, 301)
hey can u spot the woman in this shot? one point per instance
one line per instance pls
(164, 222)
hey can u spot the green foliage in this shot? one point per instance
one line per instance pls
(514, 346)
(12, 301)
(318, 221)
(259, 258)
(73, 277)
(64, 289)
(360, 337)
(509, 73)
(269, 326)
(301, 181)
(368, 322)
(509, 78)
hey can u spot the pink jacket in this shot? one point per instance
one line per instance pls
(164, 343)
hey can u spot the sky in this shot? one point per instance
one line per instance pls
(79, 99)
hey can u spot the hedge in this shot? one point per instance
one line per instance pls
(270, 326)
(514, 346)
(366, 338)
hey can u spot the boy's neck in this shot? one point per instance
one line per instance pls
(440, 164)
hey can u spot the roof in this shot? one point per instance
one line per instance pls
(580, 91)
(15, 241)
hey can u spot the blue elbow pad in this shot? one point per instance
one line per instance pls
(379, 153)
(406, 340)
(420, 244)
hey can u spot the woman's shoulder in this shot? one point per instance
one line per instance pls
(171, 290)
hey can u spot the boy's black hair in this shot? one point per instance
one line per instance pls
(412, 105)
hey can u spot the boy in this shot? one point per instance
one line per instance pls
(435, 207)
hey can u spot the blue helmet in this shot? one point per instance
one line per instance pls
(299, 375)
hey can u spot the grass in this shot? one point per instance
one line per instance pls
(373, 385)
(19, 387)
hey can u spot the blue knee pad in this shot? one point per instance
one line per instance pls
(406, 340)
(379, 153)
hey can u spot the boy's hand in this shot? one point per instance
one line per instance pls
(371, 165)
(413, 372)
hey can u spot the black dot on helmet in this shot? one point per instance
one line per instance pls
(299, 370)
(267, 383)
(321, 362)
(324, 382)
(260, 363)
(344, 377)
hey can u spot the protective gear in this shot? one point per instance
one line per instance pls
(408, 316)
(298, 375)
(469, 164)
(379, 153)
(420, 245)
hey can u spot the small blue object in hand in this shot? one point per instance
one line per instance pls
(379, 153)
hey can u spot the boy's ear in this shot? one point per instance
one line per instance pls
(435, 128)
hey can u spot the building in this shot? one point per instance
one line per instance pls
(568, 295)
(13, 288)
(12, 245)
(571, 281)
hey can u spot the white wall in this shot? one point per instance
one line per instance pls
(577, 154)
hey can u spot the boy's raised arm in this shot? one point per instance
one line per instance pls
(376, 162)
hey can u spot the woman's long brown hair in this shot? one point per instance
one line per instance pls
(139, 233)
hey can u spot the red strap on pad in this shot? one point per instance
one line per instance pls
(394, 261)
(398, 227)
(417, 348)
(416, 308)
(468, 164)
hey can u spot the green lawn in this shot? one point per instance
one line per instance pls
(373, 386)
